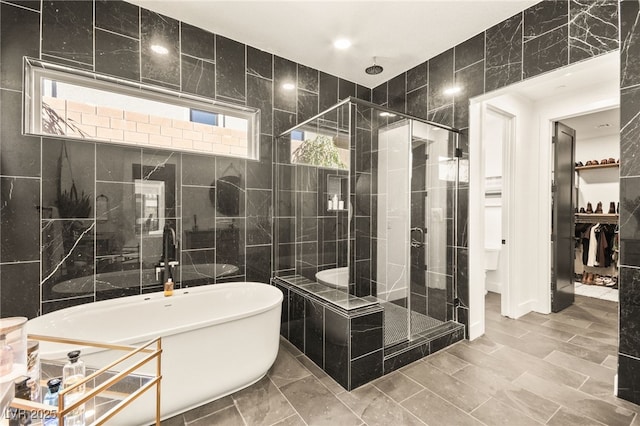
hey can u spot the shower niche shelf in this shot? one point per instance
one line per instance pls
(337, 193)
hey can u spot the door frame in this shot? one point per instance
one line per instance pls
(535, 210)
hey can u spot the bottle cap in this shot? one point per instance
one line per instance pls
(73, 356)
(54, 384)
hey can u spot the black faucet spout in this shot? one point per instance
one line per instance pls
(168, 259)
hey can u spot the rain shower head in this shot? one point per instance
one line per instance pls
(374, 69)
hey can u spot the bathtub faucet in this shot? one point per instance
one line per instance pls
(168, 260)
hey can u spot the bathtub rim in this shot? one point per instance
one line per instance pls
(321, 277)
(60, 353)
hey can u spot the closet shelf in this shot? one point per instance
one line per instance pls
(596, 218)
(598, 166)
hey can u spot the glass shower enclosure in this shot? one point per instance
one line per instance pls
(366, 205)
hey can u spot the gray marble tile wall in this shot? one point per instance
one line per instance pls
(629, 339)
(41, 249)
(547, 36)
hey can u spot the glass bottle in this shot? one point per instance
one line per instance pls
(72, 373)
(51, 398)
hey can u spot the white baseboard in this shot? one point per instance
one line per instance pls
(493, 287)
(476, 330)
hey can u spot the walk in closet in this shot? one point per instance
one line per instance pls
(597, 165)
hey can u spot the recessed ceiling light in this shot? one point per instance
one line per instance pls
(342, 43)
(387, 114)
(603, 125)
(288, 86)
(160, 50)
(452, 90)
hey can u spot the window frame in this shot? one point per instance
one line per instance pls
(35, 70)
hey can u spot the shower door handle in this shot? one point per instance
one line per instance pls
(419, 242)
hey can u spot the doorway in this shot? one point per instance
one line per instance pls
(498, 131)
(535, 105)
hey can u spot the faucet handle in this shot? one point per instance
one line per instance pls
(159, 268)
(173, 263)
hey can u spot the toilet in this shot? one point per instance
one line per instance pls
(492, 274)
(491, 258)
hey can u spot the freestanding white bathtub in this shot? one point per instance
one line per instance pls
(216, 339)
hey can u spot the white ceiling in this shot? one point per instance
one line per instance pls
(400, 34)
(591, 126)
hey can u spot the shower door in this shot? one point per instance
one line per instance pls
(433, 211)
(416, 201)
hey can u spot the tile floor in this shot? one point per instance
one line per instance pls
(597, 291)
(553, 369)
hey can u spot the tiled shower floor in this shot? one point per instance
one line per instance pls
(552, 369)
(395, 323)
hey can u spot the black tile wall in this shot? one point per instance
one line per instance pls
(236, 232)
(594, 28)
(628, 356)
(440, 79)
(503, 53)
(259, 63)
(629, 378)
(160, 30)
(366, 334)
(19, 289)
(20, 29)
(230, 68)
(198, 76)
(284, 73)
(308, 79)
(544, 17)
(67, 30)
(366, 368)
(117, 55)
(336, 361)
(19, 220)
(16, 151)
(118, 16)
(546, 52)
(314, 331)
(469, 52)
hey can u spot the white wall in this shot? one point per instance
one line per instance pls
(596, 185)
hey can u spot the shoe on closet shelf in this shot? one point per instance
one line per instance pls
(604, 161)
(612, 161)
(612, 208)
(599, 208)
(582, 210)
(594, 162)
(608, 281)
(589, 279)
(579, 164)
(584, 278)
(589, 163)
(589, 208)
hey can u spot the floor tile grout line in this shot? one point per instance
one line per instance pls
(399, 403)
(288, 417)
(235, 404)
(287, 399)
(208, 414)
(560, 407)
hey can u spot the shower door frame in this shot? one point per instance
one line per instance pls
(454, 154)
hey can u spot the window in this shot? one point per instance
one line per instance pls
(205, 117)
(70, 103)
